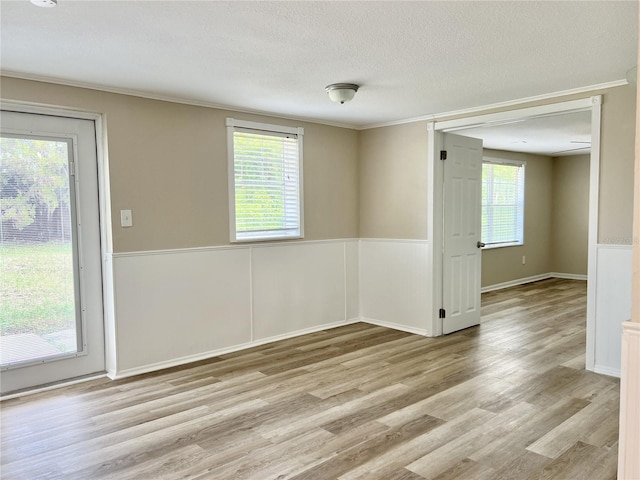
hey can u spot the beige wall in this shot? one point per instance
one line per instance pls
(556, 221)
(393, 203)
(393, 182)
(384, 188)
(505, 264)
(616, 166)
(570, 215)
(168, 163)
(616, 158)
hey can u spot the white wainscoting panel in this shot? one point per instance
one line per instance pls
(177, 306)
(629, 440)
(613, 305)
(394, 284)
(172, 307)
(297, 286)
(352, 274)
(180, 304)
(110, 335)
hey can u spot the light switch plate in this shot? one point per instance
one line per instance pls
(126, 218)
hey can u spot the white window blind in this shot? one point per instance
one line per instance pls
(502, 202)
(267, 171)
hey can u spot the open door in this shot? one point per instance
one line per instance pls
(461, 263)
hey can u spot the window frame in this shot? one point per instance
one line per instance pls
(512, 163)
(276, 130)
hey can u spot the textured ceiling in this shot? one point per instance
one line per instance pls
(554, 135)
(411, 58)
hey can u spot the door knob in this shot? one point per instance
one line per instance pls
(479, 244)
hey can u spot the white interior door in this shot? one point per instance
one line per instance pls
(462, 191)
(51, 313)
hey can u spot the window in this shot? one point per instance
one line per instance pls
(502, 202)
(265, 181)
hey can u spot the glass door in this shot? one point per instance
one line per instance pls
(38, 251)
(46, 278)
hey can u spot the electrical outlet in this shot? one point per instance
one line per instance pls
(524, 259)
(126, 218)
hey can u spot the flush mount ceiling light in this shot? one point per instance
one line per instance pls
(45, 3)
(341, 92)
(632, 76)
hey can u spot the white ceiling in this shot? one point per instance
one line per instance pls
(557, 135)
(411, 58)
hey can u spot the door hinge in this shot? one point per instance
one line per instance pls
(443, 154)
(72, 168)
(441, 314)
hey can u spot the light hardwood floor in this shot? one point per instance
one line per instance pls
(507, 400)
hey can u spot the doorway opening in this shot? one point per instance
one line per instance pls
(588, 109)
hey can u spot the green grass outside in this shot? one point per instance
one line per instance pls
(36, 288)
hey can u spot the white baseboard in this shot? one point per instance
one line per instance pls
(516, 282)
(534, 278)
(223, 351)
(568, 276)
(395, 326)
(604, 370)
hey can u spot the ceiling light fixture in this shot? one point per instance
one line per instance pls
(342, 92)
(45, 3)
(632, 76)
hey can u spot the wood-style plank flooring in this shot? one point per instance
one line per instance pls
(509, 399)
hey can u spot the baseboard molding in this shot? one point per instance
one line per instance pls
(394, 326)
(516, 282)
(568, 276)
(534, 278)
(603, 370)
(116, 375)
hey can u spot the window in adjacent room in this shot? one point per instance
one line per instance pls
(502, 202)
(265, 181)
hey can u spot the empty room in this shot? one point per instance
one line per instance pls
(319, 240)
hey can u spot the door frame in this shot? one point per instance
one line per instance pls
(435, 130)
(104, 217)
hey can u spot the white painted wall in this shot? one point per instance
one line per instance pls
(629, 439)
(613, 305)
(177, 304)
(172, 307)
(297, 287)
(394, 284)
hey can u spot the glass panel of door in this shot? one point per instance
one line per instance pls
(39, 284)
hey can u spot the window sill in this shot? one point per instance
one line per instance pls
(297, 236)
(502, 245)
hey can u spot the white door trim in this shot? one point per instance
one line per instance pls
(104, 199)
(434, 210)
(101, 154)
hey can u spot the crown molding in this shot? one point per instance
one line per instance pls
(167, 98)
(428, 117)
(511, 103)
